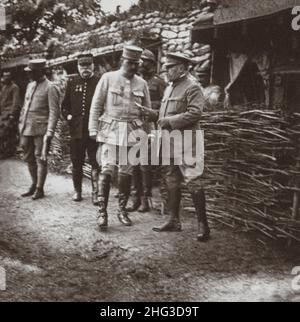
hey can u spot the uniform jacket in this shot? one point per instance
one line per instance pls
(182, 105)
(157, 87)
(40, 112)
(77, 102)
(10, 99)
(114, 115)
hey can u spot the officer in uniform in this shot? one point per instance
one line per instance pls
(115, 115)
(37, 124)
(181, 110)
(9, 115)
(142, 175)
(76, 110)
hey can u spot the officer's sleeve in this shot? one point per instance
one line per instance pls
(147, 99)
(162, 87)
(97, 106)
(16, 103)
(53, 100)
(195, 105)
(66, 103)
(25, 103)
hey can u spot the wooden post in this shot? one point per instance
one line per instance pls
(295, 205)
(295, 211)
(296, 199)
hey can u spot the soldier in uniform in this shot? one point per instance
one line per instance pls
(181, 110)
(37, 124)
(142, 175)
(76, 110)
(113, 118)
(9, 114)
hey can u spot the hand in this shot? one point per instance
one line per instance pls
(164, 124)
(146, 111)
(46, 147)
(93, 136)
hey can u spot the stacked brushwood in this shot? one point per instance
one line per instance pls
(252, 170)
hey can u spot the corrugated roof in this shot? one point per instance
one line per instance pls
(236, 10)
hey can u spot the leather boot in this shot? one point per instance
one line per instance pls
(200, 206)
(32, 167)
(77, 175)
(136, 190)
(124, 191)
(173, 223)
(42, 175)
(147, 189)
(95, 186)
(145, 207)
(104, 188)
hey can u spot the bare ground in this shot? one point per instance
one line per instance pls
(52, 251)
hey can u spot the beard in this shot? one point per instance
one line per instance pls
(86, 74)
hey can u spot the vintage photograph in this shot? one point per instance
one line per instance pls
(149, 152)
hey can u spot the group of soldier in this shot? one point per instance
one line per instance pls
(129, 99)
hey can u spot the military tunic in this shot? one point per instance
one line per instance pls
(39, 117)
(114, 116)
(77, 103)
(9, 111)
(182, 105)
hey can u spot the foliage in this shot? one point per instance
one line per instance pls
(38, 20)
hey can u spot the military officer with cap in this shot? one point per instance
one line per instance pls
(181, 110)
(142, 175)
(76, 110)
(37, 124)
(114, 116)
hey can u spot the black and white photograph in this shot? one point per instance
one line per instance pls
(149, 153)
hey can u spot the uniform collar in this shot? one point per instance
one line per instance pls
(123, 74)
(179, 80)
(87, 79)
(41, 80)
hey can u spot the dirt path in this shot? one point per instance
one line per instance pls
(52, 251)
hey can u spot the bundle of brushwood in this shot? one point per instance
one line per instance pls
(252, 169)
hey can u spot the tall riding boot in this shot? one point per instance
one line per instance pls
(95, 186)
(77, 174)
(200, 206)
(124, 191)
(42, 175)
(147, 189)
(104, 188)
(173, 223)
(136, 190)
(32, 167)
